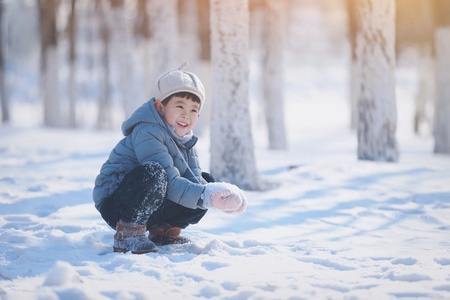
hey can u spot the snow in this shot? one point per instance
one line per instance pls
(330, 226)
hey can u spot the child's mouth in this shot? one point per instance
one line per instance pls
(182, 124)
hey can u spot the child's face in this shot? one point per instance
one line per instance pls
(181, 113)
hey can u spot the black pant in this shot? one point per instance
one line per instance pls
(140, 199)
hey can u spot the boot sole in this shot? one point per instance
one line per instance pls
(122, 250)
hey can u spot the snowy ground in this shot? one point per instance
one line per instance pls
(334, 228)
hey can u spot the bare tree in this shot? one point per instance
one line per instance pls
(442, 106)
(124, 51)
(104, 116)
(189, 38)
(272, 68)
(49, 62)
(190, 49)
(204, 29)
(415, 28)
(353, 84)
(142, 21)
(164, 24)
(442, 111)
(232, 156)
(71, 30)
(3, 95)
(375, 54)
(144, 43)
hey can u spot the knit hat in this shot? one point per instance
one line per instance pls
(178, 80)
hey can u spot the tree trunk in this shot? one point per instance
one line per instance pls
(375, 54)
(104, 116)
(49, 62)
(72, 65)
(442, 109)
(415, 28)
(272, 68)
(3, 95)
(189, 38)
(232, 156)
(164, 24)
(190, 49)
(123, 52)
(425, 89)
(204, 29)
(144, 41)
(353, 26)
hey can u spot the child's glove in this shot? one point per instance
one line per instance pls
(225, 197)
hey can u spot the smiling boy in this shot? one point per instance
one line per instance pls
(152, 179)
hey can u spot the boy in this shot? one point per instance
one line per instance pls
(152, 179)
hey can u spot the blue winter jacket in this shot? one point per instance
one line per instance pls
(148, 139)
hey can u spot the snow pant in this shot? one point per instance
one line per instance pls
(140, 199)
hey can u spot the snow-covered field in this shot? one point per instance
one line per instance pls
(332, 227)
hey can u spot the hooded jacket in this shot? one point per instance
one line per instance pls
(148, 139)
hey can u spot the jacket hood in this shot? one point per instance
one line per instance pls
(146, 113)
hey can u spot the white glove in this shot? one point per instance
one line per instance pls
(225, 197)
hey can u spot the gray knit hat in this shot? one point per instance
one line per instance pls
(178, 80)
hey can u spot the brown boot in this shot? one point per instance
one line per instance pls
(132, 238)
(166, 235)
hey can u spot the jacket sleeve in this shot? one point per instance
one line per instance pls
(151, 143)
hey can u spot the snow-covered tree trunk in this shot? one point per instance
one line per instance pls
(144, 44)
(189, 38)
(272, 68)
(232, 153)
(124, 52)
(375, 55)
(353, 94)
(442, 108)
(425, 88)
(104, 116)
(49, 62)
(351, 6)
(165, 37)
(72, 65)
(190, 49)
(3, 95)
(204, 29)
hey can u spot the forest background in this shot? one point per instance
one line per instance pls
(64, 58)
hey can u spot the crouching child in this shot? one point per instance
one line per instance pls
(152, 180)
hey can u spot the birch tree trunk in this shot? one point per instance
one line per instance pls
(164, 24)
(72, 65)
(124, 54)
(232, 156)
(415, 29)
(190, 49)
(375, 55)
(3, 95)
(189, 38)
(272, 68)
(104, 116)
(49, 62)
(353, 83)
(144, 42)
(425, 89)
(442, 110)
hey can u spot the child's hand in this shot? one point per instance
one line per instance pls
(225, 197)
